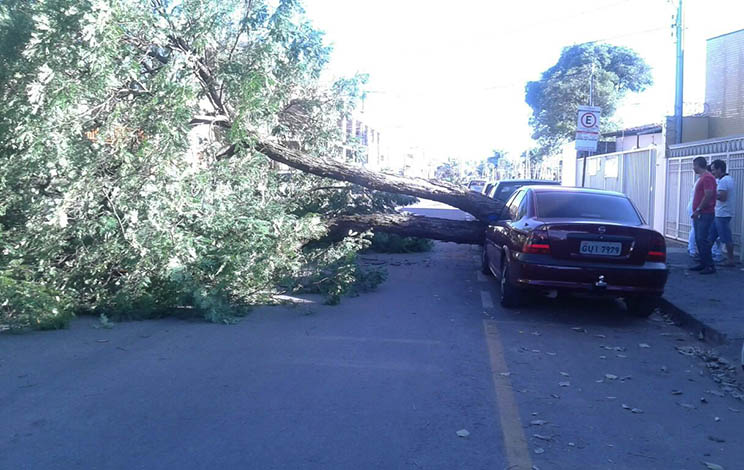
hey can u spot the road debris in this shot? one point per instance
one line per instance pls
(712, 466)
(644, 346)
(564, 384)
(463, 433)
(538, 422)
(611, 376)
(579, 329)
(721, 370)
(539, 450)
(542, 438)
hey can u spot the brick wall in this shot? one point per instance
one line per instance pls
(724, 87)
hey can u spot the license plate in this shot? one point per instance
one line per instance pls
(600, 248)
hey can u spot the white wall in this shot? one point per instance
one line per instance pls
(633, 142)
(568, 178)
(660, 184)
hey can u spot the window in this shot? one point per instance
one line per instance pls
(503, 191)
(513, 206)
(586, 206)
(522, 209)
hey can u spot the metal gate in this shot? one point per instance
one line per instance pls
(631, 173)
(681, 178)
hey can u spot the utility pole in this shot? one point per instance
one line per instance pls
(678, 91)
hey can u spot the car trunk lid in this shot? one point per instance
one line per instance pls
(598, 241)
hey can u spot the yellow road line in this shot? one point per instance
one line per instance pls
(515, 443)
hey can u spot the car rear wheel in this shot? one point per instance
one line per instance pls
(511, 296)
(641, 306)
(485, 268)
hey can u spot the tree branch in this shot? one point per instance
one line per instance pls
(447, 230)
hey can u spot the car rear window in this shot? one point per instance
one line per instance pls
(586, 206)
(504, 191)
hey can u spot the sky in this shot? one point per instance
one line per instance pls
(450, 76)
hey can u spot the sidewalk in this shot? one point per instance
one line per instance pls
(712, 305)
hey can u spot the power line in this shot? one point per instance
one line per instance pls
(567, 17)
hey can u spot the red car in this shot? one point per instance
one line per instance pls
(576, 240)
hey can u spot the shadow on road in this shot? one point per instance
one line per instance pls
(573, 311)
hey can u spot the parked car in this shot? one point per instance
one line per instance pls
(503, 189)
(556, 239)
(476, 185)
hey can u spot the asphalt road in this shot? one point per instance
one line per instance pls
(383, 381)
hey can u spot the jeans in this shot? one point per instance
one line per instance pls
(721, 229)
(702, 227)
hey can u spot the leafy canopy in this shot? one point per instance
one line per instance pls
(114, 197)
(555, 98)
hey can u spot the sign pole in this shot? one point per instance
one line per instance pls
(583, 173)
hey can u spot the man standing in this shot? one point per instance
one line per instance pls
(724, 210)
(703, 214)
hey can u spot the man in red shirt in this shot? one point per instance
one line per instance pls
(703, 214)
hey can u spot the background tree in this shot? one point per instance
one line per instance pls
(555, 98)
(450, 171)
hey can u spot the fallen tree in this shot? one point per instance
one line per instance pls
(447, 230)
(138, 141)
(481, 207)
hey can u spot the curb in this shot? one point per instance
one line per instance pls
(690, 323)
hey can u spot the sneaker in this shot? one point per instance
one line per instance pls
(708, 270)
(698, 267)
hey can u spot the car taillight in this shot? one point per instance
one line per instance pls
(537, 243)
(657, 250)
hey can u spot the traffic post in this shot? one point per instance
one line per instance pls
(587, 133)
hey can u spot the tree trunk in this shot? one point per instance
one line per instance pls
(480, 206)
(447, 230)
